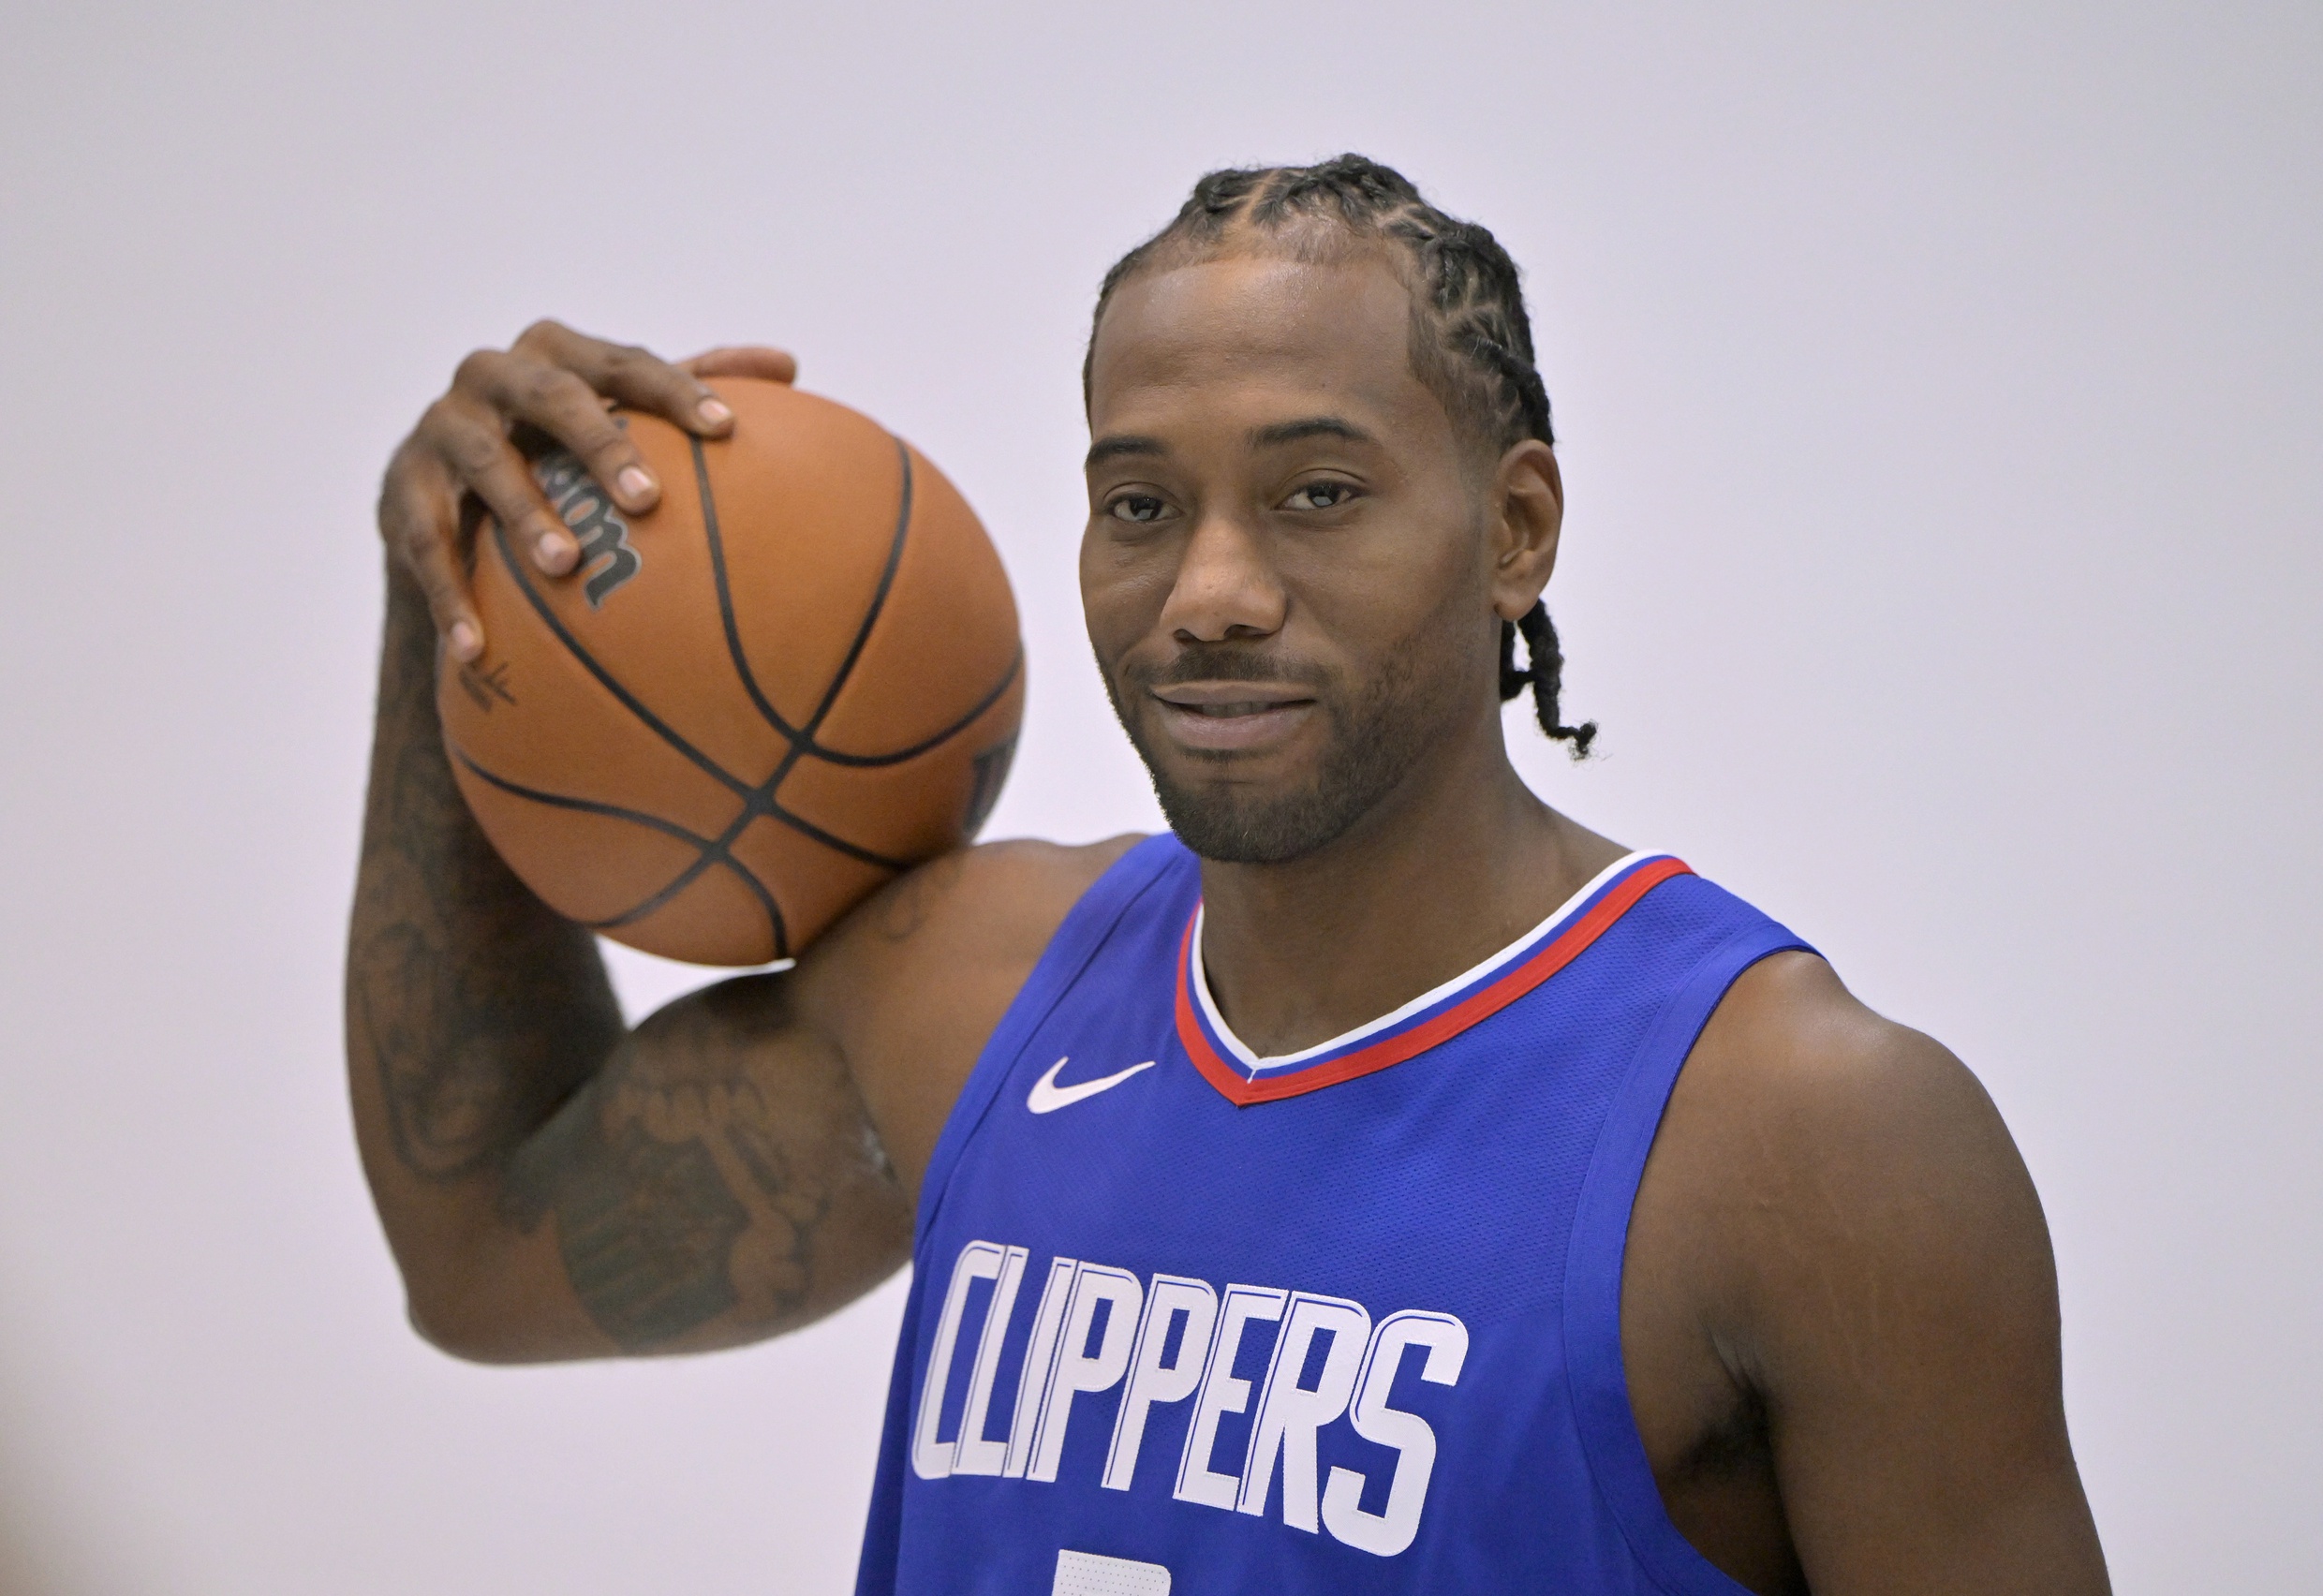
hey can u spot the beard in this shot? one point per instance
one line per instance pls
(1375, 737)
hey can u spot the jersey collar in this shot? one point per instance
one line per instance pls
(1245, 1078)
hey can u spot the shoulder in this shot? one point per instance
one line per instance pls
(912, 984)
(1000, 894)
(1826, 1172)
(972, 914)
(1019, 885)
(1836, 1236)
(1832, 1091)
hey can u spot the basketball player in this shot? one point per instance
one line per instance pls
(1380, 1183)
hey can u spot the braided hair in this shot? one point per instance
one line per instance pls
(1472, 342)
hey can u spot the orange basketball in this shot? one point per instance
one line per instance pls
(743, 712)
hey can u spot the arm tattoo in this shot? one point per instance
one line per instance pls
(904, 911)
(480, 1007)
(685, 1186)
(646, 1227)
(681, 1191)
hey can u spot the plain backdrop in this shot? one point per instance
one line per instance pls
(1939, 389)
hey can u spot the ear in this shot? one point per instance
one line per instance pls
(1527, 509)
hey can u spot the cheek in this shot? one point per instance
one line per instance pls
(1122, 593)
(1390, 587)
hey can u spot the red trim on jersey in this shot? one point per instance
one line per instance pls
(1511, 984)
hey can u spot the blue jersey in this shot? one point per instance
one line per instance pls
(1345, 1320)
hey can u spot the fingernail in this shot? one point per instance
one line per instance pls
(554, 553)
(714, 411)
(634, 482)
(463, 641)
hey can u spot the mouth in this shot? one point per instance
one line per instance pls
(1233, 716)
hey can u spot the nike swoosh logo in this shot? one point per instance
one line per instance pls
(1047, 1097)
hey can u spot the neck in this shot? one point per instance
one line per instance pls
(1458, 861)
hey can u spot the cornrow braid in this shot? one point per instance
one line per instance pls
(1472, 341)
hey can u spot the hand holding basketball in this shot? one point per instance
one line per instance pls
(743, 710)
(557, 380)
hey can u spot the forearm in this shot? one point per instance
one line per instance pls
(472, 1009)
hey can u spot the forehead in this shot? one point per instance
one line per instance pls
(1259, 331)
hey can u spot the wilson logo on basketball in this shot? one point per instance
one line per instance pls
(595, 522)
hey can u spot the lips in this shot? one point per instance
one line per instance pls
(1229, 710)
(1231, 716)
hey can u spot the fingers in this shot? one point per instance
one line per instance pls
(744, 360)
(556, 380)
(554, 398)
(469, 440)
(635, 378)
(420, 520)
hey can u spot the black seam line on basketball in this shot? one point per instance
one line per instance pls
(707, 850)
(755, 797)
(808, 829)
(711, 851)
(879, 599)
(861, 761)
(805, 742)
(726, 599)
(799, 749)
(687, 877)
(629, 701)
(586, 806)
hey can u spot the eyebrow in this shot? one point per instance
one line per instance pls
(1306, 427)
(1122, 444)
(1119, 445)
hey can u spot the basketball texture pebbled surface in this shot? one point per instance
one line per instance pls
(797, 677)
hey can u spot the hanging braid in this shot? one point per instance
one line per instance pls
(1472, 342)
(1543, 671)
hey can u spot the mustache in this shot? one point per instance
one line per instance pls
(1224, 662)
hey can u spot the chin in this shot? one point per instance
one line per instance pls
(1301, 805)
(1244, 823)
(1248, 833)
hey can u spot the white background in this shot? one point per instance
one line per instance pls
(1940, 388)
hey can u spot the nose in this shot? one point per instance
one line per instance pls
(1226, 588)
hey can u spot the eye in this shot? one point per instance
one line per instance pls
(1322, 494)
(1138, 507)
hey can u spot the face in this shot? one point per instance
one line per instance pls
(1295, 570)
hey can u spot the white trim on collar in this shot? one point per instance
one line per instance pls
(1470, 977)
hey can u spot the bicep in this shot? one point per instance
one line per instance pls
(746, 1161)
(1903, 1316)
(718, 1182)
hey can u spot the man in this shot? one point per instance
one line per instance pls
(1384, 1182)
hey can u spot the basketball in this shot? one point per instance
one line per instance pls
(741, 713)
